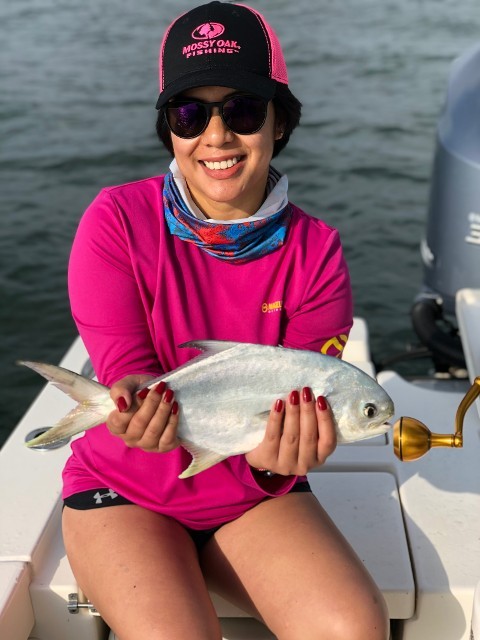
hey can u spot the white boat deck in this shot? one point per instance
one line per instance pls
(415, 525)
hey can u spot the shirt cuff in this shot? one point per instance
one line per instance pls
(276, 485)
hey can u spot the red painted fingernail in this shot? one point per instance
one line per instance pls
(143, 393)
(307, 394)
(121, 404)
(294, 398)
(160, 388)
(321, 403)
(279, 406)
(168, 397)
(174, 408)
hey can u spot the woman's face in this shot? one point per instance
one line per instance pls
(239, 190)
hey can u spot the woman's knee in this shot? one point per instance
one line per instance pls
(363, 619)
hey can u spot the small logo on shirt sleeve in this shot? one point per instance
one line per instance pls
(334, 346)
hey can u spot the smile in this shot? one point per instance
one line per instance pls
(224, 164)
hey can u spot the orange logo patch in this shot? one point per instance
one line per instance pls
(271, 307)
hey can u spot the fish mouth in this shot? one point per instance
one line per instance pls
(379, 429)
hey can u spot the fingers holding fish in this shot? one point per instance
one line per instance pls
(298, 447)
(122, 393)
(298, 436)
(290, 440)
(265, 456)
(153, 426)
(147, 419)
(327, 440)
(309, 433)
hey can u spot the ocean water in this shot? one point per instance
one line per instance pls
(78, 89)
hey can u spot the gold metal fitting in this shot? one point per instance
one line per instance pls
(412, 439)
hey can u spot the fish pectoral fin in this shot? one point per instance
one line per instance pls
(210, 347)
(202, 459)
(207, 347)
(262, 416)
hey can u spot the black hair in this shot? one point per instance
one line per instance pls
(288, 110)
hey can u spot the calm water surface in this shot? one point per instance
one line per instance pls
(78, 88)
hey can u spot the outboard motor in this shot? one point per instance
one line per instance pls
(451, 250)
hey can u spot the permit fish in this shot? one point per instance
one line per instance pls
(225, 396)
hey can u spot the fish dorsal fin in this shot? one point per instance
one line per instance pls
(202, 459)
(210, 347)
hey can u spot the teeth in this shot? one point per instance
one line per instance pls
(224, 164)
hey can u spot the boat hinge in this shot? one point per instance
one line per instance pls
(74, 605)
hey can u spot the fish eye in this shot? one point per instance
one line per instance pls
(370, 410)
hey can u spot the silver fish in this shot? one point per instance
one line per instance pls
(225, 396)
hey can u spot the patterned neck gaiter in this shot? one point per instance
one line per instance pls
(237, 242)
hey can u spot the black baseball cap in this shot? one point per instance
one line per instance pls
(221, 44)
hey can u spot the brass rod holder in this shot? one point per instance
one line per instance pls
(412, 439)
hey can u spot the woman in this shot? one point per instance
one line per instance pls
(212, 250)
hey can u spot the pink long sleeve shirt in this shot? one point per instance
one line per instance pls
(137, 292)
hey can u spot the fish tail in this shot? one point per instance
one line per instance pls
(94, 402)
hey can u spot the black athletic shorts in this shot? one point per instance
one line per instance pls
(103, 497)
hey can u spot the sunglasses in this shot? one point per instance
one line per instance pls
(241, 113)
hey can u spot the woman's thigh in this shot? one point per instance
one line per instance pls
(286, 562)
(141, 571)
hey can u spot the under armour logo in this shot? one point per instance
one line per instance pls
(110, 494)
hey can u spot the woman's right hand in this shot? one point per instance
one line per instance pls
(147, 419)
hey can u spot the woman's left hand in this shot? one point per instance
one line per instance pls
(300, 435)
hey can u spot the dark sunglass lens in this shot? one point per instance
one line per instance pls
(245, 114)
(186, 120)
